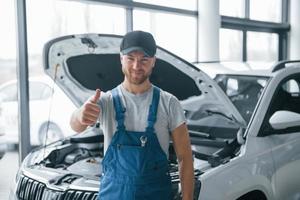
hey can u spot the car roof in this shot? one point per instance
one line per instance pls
(263, 69)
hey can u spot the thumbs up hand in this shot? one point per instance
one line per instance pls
(89, 112)
(96, 97)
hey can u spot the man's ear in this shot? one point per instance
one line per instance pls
(154, 61)
(121, 58)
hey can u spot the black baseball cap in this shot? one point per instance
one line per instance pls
(138, 41)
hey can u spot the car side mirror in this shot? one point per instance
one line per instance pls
(284, 119)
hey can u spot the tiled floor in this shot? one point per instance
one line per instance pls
(8, 168)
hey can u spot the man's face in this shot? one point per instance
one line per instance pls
(137, 67)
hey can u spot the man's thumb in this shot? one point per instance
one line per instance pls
(96, 97)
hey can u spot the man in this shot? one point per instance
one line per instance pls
(138, 119)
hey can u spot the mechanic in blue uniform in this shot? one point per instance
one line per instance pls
(138, 120)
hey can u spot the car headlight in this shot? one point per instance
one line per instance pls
(29, 160)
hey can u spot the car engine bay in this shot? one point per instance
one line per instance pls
(71, 169)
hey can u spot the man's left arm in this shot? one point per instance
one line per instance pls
(182, 146)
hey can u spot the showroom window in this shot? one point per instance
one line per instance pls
(39, 91)
(46, 20)
(182, 43)
(186, 4)
(262, 46)
(267, 10)
(233, 8)
(7, 41)
(8, 92)
(231, 45)
(265, 22)
(65, 18)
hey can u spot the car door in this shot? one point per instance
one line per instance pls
(285, 142)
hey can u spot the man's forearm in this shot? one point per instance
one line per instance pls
(186, 171)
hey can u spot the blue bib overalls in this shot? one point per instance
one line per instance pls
(135, 167)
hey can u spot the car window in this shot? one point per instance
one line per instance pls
(286, 97)
(39, 91)
(231, 87)
(9, 93)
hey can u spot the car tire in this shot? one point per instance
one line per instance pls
(53, 132)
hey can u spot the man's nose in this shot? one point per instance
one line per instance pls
(136, 64)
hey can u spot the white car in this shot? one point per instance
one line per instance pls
(267, 158)
(50, 110)
(240, 153)
(3, 144)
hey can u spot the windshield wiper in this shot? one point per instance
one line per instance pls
(231, 118)
(210, 112)
(199, 134)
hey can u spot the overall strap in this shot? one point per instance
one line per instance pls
(153, 109)
(119, 109)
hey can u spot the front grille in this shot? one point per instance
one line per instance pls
(29, 189)
(80, 195)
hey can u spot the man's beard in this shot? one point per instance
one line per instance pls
(137, 80)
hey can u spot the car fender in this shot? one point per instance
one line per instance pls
(247, 172)
(232, 182)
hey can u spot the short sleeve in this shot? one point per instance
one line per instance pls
(176, 114)
(103, 103)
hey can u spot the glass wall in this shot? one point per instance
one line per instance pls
(262, 46)
(267, 10)
(179, 38)
(233, 8)
(186, 4)
(7, 41)
(243, 38)
(231, 45)
(48, 19)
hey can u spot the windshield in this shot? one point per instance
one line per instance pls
(210, 119)
(211, 129)
(244, 91)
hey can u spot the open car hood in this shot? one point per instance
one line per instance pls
(79, 64)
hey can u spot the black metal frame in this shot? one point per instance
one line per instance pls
(23, 84)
